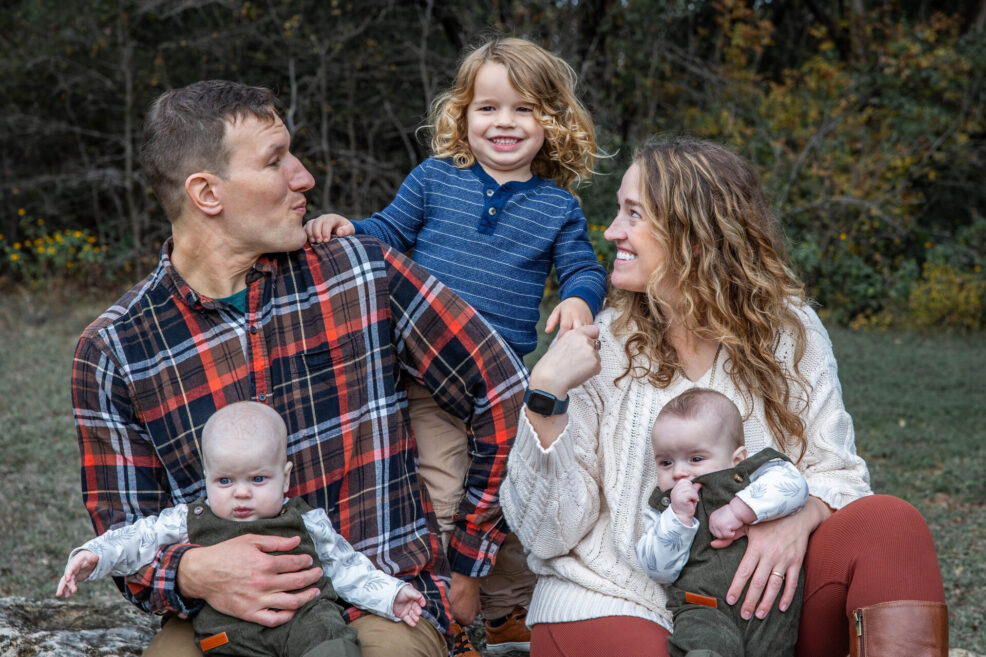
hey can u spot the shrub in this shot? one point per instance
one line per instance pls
(38, 255)
(948, 298)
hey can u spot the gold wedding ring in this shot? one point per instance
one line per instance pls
(777, 574)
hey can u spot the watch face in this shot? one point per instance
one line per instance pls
(541, 404)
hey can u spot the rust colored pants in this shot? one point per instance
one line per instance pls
(877, 549)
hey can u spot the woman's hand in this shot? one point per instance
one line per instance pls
(571, 360)
(777, 546)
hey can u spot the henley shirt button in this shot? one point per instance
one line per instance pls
(262, 396)
(492, 211)
(738, 478)
(253, 329)
(489, 192)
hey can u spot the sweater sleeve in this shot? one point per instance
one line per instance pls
(835, 472)
(551, 496)
(664, 546)
(398, 224)
(354, 577)
(578, 269)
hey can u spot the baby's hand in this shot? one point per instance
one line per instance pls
(570, 313)
(729, 522)
(408, 604)
(684, 497)
(78, 568)
(322, 228)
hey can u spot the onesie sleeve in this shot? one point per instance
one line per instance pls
(664, 546)
(353, 575)
(125, 550)
(776, 490)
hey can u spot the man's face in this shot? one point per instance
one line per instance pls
(263, 191)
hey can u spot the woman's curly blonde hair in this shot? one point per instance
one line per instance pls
(725, 257)
(544, 80)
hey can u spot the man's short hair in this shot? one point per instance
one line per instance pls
(184, 132)
(697, 401)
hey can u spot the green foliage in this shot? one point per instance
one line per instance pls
(947, 298)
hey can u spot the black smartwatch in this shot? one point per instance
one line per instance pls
(544, 403)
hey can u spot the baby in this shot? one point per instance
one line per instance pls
(707, 488)
(246, 477)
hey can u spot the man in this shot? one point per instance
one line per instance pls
(240, 307)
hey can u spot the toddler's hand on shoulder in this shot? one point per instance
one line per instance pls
(322, 228)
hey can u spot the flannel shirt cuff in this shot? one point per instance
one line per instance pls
(155, 588)
(474, 554)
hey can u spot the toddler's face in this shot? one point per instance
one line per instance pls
(687, 448)
(503, 133)
(246, 481)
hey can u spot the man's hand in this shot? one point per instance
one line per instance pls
(464, 597)
(322, 228)
(77, 569)
(240, 578)
(408, 604)
(684, 497)
(571, 313)
(729, 522)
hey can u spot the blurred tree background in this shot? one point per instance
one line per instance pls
(864, 117)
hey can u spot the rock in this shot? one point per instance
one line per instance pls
(53, 628)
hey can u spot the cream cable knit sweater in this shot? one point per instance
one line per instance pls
(577, 506)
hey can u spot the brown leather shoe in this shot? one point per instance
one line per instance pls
(512, 634)
(903, 627)
(461, 643)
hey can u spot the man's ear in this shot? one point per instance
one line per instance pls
(201, 189)
(739, 454)
(287, 476)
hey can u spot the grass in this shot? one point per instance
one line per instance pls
(918, 401)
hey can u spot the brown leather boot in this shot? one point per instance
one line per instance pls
(903, 627)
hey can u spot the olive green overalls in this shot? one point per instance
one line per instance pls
(316, 630)
(704, 625)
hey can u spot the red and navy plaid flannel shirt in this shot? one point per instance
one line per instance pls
(330, 335)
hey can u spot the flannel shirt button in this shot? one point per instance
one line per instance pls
(262, 396)
(253, 329)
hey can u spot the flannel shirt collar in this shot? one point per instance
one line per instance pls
(266, 265)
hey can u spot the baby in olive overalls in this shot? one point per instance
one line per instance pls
(707, 488)
(246, 477)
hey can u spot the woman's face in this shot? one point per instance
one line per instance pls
(638, 252)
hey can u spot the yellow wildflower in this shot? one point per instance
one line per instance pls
(14, 257)
(90, 239)
(77, 234)
(17, 246)
(41, 222)
(21, 212)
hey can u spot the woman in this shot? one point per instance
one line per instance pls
(705, 297)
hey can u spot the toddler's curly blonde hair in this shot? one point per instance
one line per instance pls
(544, 80)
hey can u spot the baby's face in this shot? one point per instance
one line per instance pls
(687, 448)
(246, 480)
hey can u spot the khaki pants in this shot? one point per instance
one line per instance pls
(378, 637)
(443, 460)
